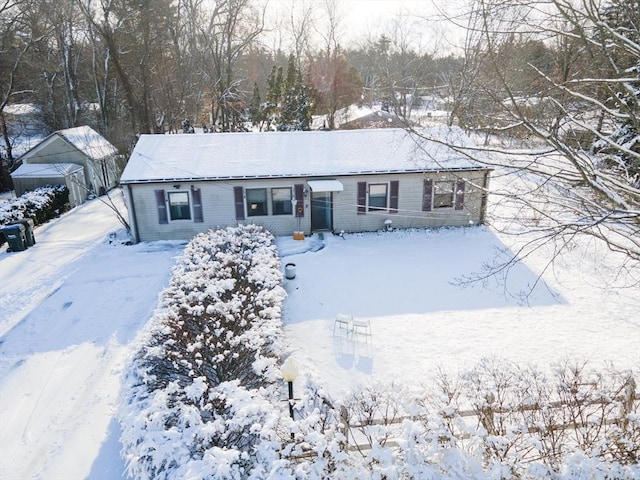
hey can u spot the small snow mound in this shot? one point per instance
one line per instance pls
(287, 246)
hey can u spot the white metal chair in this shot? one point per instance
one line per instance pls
(342, 322)
(361, 327)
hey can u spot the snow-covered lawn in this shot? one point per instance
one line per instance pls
(407, 284)
(72, 305)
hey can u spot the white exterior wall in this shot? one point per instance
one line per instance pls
(219, 210)
(410, 198)
(218, 207)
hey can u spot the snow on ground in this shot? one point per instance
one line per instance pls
(407, 285)
(71, 306)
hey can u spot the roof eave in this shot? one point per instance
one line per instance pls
(299, 175)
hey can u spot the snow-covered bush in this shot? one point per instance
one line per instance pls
(198, 400)
(203, 398)
(499, 421)
(41, 205)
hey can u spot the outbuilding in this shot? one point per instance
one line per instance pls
(302, 182)
(81, 146)
(29, 176)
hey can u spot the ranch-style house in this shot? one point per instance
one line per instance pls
(302, 182)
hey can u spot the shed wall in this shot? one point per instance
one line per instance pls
(98, 174)
(29, 184)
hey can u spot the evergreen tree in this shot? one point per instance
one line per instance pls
(621, 148)
(304, 105)
(274, 97)
(296, 106)
(290, 80)
(255, 110)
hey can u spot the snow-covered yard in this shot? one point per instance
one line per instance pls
(407, 284)
(71, 307)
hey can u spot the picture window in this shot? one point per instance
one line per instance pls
(443, 194)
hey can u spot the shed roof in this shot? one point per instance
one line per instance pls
(84, 139)
(293, 154)
(88, 141)
(45, 170)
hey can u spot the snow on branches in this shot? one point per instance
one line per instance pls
(197, 395)
(203, 397)
(41, 204)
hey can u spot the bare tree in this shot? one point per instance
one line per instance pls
(330, 72)
(227, 31)
(16, 39)
(582, 176)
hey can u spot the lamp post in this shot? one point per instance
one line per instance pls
(289, 371)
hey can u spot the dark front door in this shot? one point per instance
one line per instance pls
(321, 211)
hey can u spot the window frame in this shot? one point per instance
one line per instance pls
(179, 211)
(286, 204)
(377, 208)
(255, 212)
(450, 203)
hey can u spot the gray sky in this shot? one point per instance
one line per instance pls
(360, 20)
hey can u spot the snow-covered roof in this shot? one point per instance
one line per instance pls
(293, 154)
(43, 170)
(88, 141)
(22, 108)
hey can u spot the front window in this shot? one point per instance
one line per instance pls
(377, 196)
(179, 206)
(256, 201)
(443, 194)
(281, 201)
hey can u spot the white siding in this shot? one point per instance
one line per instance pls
(410, 195)
(57, 150)
(218, 206)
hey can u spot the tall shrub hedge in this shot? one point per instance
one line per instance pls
(41, 205)
(197, 396)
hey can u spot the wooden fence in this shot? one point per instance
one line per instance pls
(486, 417)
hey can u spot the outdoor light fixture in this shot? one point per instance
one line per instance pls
(305, 192)
(176, 186)
(289, 371)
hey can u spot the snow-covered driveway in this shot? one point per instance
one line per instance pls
(69, 308)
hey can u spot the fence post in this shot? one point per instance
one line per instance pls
(486, 414)
(344, 420)
(628, 401)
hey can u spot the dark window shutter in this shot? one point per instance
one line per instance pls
(427, 195)
(162, 207)
(299, 192)
(459, 195)
(239, 201)
(197, 205)
(362, 198)
(393, 197)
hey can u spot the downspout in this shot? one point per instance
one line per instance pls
(134, 218)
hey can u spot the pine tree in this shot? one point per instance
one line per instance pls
(622, 146)
(256, 111)
(274, 97)
(296, 106)
(290, 81)
(304, 104)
